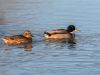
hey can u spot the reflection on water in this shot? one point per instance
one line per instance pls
(44, 57)
(60, 40)
(27, 47)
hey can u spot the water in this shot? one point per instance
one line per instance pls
(50, 58)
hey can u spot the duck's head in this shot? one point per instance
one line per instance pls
(27, 34)
(72, 28)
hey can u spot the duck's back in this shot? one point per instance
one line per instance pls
(57, 31)
(16, 39)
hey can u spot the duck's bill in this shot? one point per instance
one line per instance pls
(77, 30)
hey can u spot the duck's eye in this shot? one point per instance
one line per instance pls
(26, 33)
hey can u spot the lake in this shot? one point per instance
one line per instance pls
(50, 58)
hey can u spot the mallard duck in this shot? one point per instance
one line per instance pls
(61, 33)
(18, 39)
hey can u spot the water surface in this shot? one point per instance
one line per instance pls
(50, 58)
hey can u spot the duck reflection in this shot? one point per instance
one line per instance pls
(61, 43)
(72, 41)
(27, 47)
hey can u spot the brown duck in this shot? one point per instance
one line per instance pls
(18, 39)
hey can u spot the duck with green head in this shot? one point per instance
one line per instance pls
(18, 39)
(61, 33)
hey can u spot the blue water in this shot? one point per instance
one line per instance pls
(50, 58)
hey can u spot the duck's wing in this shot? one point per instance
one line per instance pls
(14, 37)
(57, 31)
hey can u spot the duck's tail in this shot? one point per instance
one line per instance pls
(5, 40)
(47, 33)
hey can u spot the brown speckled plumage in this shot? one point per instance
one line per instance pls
(19, 39)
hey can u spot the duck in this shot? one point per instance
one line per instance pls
(61, 34)
(25, 38)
